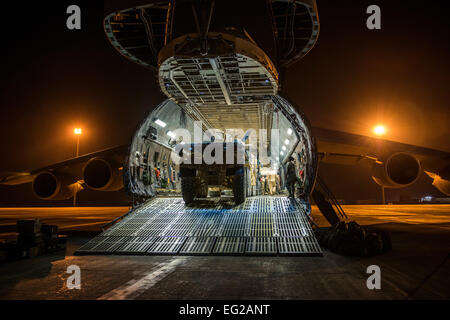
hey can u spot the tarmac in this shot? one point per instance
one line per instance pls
(418, 267)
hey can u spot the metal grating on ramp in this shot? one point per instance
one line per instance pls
(198, 245)
(298, 246)
(166, 245)
(230, 246)
(260, 226)
(261, 246)
(102, 245)
(137, 245)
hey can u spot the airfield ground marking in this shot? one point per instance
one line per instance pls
(134, 288)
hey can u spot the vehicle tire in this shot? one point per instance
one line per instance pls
(239, 188)
(187, 189)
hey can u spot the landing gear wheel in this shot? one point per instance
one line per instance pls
(187, 189)
(239, 188)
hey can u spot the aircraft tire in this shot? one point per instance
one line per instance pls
(239, 188)
(187, 189)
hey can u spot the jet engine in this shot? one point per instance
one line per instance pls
(49, 185)
(103, 175)
(397, 171)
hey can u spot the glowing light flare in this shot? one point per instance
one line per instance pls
(77, 131)
(379, 130)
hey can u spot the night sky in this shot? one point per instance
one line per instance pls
(54, 79)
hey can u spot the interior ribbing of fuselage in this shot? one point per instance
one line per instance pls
(271, 132)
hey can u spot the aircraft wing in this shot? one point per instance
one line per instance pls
(16, 178)
(347, 148)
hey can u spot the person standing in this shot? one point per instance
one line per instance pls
(258, 183)
(171, 177)
(278, 183)
(272, 184)
(291, 177)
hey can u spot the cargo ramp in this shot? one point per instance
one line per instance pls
(165, 226)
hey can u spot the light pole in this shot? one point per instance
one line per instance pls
(380, 130)
(77, 132)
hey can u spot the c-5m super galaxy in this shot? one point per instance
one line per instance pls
(221, 64)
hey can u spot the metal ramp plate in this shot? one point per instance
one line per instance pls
(166, 245)
(137, 245)
(230, 246)
(297, 246)
(261, 246)
(102, 245)
(198, 246)
(260, 226)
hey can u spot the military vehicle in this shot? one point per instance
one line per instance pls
(230, 170)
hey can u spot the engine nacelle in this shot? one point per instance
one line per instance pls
(54, 186)
(103, 175)
(399, 170)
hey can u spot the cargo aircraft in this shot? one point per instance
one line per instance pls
(215, 75)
